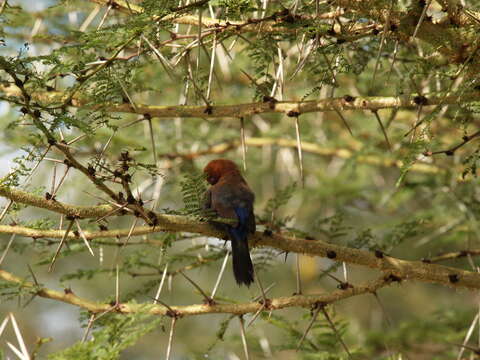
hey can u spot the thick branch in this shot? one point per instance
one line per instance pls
(275, 304)
(218, 24)
(27, 198)
(290, 108)
(403, 269)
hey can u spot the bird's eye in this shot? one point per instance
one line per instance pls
(212, 179)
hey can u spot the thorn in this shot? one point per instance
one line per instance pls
(266, 301)
(33, 276)
(208, 299)
(244, 146)
(422, 16)
(152, 140)
(19, 336)
(132, 228)
(255, 316)
(212, 64)
(5, 210)
(117, 285)
(332, 325)
(256, 298)
(170, 338)
(384, 131)
(160, 286)
(310, 324)
(65, 235)
(387, 317)
(7, 248)
(299, 282)
(89, 326)
(244, 338)
(84, 238)
(299, 150)
(54, 192)
(220, 274)
(345, 273)
(344, 121)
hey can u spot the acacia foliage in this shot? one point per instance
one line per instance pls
(80, 82)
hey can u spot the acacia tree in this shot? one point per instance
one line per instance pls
(355, 122)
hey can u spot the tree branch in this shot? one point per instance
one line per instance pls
(69, 297)
(454, 255)
(235, 111)
(27, 198)
(401, 269)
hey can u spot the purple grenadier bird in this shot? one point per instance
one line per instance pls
(230, 197)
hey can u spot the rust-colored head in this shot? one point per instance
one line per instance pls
(215, 169)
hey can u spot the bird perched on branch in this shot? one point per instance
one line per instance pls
(230, 197)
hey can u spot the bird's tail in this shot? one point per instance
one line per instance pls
(242, 263)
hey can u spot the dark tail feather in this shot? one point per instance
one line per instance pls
(242, 264)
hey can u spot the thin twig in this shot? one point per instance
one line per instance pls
(452, 150)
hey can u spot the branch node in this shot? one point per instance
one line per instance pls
(331, 254)
(420, 100)
(392, 278)
(453, 278)
(344, 286)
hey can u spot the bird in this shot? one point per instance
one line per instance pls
(230, 197)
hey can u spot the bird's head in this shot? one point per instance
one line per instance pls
(215, 169)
